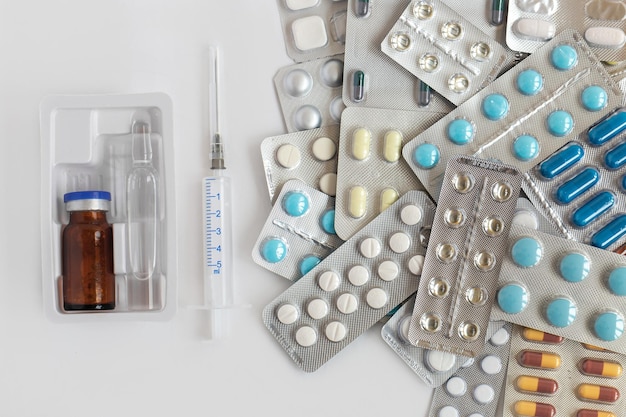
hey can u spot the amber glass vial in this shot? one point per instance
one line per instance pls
(87, 251)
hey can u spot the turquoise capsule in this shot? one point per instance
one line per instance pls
(296, 203)
(577, 185)
(617, 281)
(561, 161)
(616, 157)
(512, 298)
(561, 312)
(426, 155)
(574, 267)
(610, 233)
(307, 263)
(609, 326)
(328, 222)
(274, 250)
(607, 129)
(526, 252)
(593, 209)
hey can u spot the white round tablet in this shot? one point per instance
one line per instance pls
(500, 338)
(287, 314)
(370, 247)
(403, 328)
(416, 263)
(328, 183)
(388, 270)
(306, 336)
(491, 365)
(399, 242)
(358, 275)
(335, 331)
(329, 280)
(288, 156)
(448, 411)
(347, 303)
(324, 148)
(483, 394)
(456, 386)
(475, 415)
(317, 308)
(526, 218)
(469, 362)
(440, 361)
(376, 298)
(411, 215)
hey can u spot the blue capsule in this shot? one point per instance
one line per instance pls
(593, 209)
(609, 326)
(561, 312)
(564, 57)
(560, 123)
(607, 129)
(274, 250)
(610, 233)
(296, 203)
(328, 222)
(577, 185)
(460, 131)
(495, 106)
(426, 155)
(561, 161)
(616, 157)
(594, 98)
(307, 263)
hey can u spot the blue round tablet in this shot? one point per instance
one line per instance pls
(564, 57)
(561, 312)
(526, 147)
(426, 155)
(594, 98)
(609, 326)
(328, 222)
(574, 267)
(460, 131)
(526, 252)
(617, 281)
(529, 82)
(307, 263)
(512, 298)
(274, 250)
(495, 106)
(560, 123)
(296, 203)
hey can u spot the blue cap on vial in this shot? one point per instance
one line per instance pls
(87, 195)
(91, 200)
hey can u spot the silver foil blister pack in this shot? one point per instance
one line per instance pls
(523, 116)
(309, 155)
(531, 23)
(298, 233)
(563, 287)
(373, 79)
(553, 376)
(582, 186)
(527, 215)
(443, 49)
(355, 286)
(474, 390)
(371, 173)
(466, 249)
(309, 93)
(313, 28)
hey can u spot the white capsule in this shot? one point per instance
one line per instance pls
(534, 29)
(605, 37)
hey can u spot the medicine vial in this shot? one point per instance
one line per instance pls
(87, 251)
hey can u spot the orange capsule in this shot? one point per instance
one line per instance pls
(536, 385)
(537, 359)
(533, 409)
(533, 335)
(592, 347)
(594, 413)
(593, 392)
(599, 367)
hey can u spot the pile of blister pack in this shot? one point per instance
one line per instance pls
(456, 170)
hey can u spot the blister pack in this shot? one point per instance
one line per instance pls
(309, 155)
(443, 49)
(371, 173)
(563, 287)
(551, 376)
(309, 93)
(523, 116)
(355, 286)
(581, 186)
(462, 264)
(298, 233)
(474, 389)
(527, 215)
(531, 23)
(373, 79)
(313, 28)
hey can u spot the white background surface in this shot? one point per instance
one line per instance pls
(147, 368)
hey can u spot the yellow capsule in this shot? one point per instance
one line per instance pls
(533, 409)
(357, 203)
(535, 384)
(592, 347)
(594, 392)
(393, 146)
(594, 413)
(361, 143)
(387, 198)
(536, 359)
(533, 335)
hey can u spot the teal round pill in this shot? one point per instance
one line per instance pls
(617, 281)
(574, 267)
(328, 221)
(564, 57)
(274, 250)
(560, 123)
(460, 131)
(296, 203)
(512, 298)
(526, 147)
(426, 155)
(609, 326)
(526, 252)
(307, 263)
(529, 82)
(561, 312)
(495, 107)
(594, 98)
